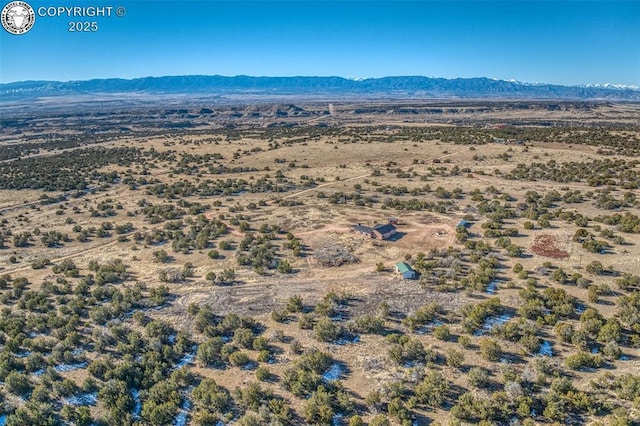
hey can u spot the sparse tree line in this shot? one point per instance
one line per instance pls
(619, 172)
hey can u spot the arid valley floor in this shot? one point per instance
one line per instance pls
(196, 263)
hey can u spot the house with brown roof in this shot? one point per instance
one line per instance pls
(384, 232)
(378, 232)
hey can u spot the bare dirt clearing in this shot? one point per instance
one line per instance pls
(549, 245)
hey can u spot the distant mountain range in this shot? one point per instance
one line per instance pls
(385, 87)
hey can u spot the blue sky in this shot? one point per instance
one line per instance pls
(571, 42)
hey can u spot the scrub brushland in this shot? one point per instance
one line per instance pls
(383, 263)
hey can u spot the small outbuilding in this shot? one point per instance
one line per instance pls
(406, 271)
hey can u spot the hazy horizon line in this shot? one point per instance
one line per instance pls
(357, 79)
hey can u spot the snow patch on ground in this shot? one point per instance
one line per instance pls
(341, 342)
(181, 417)
(545, 349)
(137, 409)
(428, 327)
(188, 358)
(491, 323)
(250, 366)
(492, 287)
(63, 368)
(333, 373)
(83, 399)
(337, 420)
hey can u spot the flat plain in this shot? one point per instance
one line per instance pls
(197, 263)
